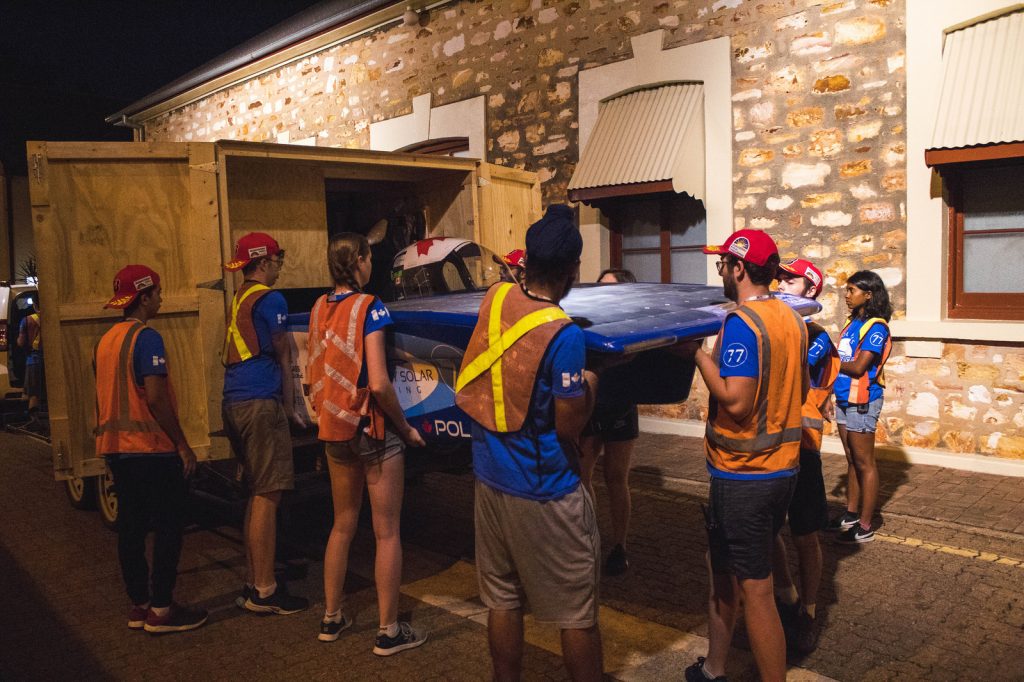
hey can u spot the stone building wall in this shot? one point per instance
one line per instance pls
(819, 145)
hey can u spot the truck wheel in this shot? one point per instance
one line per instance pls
(81, 492)
(107, 499)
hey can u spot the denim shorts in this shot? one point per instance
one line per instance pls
(859, 421)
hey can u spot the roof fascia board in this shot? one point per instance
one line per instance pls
(346, 32)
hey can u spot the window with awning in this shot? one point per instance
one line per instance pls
(646, 140)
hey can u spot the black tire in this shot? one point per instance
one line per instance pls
(81, 492)
(106, 500)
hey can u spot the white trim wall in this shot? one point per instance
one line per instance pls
(467, 118)
(926, 230)
(709, 62)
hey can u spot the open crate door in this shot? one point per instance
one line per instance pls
(509, 203)
(97, 207)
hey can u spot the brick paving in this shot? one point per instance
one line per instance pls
(892, 610)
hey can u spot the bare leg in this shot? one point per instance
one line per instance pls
(347, 495)
(780, 564)
(386, 483)
(862, 446)
(617, 457)
(246, 521)
(722, 606)
(808, 550)
(581, 652)
(764, 627)
(505, 636)
(261, 537)
(590, 450)
(852, 485)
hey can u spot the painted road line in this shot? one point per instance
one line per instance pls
(635, 650)
(964, 552)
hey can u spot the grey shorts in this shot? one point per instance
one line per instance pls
(258, 431)
(860, 421)
(544, 554)
(365, 450)
(743, 517)
(34, 383)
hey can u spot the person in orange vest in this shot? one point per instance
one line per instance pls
(257, 407)
(757, 380)
(524, 384)
(30, 338)
(864, 346)
(138, 433)
(808, 510)
(364, 432)
(613, 430)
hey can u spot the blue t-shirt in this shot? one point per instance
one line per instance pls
(818, 354)
(34, 355)
(377, 318)
(149, 358)
(259, 377)
(874, 341)
(531, 463)
(739, 350)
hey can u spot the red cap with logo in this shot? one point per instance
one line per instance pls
(753, 246)
(805, 268)
(129, 282)
(516, 258)
(250, 247)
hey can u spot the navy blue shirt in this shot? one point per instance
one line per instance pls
(874, 341)
(531, 462)
(739, 350)
(377, 318)
(149, 358)
(259, 377)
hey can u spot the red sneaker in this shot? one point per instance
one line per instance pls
(177, 619)
(136, 617)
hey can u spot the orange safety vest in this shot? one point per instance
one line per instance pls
(495, 386)
(860, 387)
(335, 356)
(769, 439)
(124, 422)
(818, 396)
(33, 332)
(242, 342)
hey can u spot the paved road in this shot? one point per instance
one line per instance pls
(933, 599)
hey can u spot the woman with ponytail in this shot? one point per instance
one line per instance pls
(864, 346)
(364, 433)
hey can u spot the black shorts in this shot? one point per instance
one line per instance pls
(808, 510)
(743, 517)
(614, 424)
(34, 382)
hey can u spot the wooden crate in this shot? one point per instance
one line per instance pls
(179, 208)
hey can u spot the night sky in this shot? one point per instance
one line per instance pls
(65, 66)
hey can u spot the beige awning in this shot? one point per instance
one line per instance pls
(982, 96)
(648, 135)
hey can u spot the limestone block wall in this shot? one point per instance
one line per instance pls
(819, 145)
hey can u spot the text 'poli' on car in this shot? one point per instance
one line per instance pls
(440, 284)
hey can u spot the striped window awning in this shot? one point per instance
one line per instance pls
(648, 139)
(981, 104)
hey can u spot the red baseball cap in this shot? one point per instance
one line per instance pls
(129, 281)
(515, 258)
(250, 247)
(753, 246)
(805, 268)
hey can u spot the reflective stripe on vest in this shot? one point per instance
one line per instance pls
(756, 449)
(335, 353)
(124, 422)
(236, 339)
(818, 396)
(498, 343)
(860, 387)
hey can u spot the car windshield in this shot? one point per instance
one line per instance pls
(470, 267)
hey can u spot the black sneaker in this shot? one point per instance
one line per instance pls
(247, 591)
(695, 673)
(807, 633)
(855, 535)
(844, 521)
(788, 614)
(616, 563)
(177, 619)
(407, 638)
(279, 602)
(330, 630)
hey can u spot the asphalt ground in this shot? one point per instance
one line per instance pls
(931, 599)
